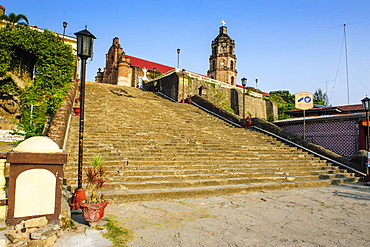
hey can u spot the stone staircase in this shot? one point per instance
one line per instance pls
(154, 149)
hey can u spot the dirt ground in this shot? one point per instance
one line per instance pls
(326, 216)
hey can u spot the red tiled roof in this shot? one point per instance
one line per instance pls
(141, 63)
(2, 7)
(341, 108)
(351, 107)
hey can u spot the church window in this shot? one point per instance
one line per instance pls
(213, 65)
(232, 65)
(232, 80)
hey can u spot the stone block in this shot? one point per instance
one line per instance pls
(37, 222)
(44, 232)
(43, 242)
(21, 243)
(16, 235)
(65, 209)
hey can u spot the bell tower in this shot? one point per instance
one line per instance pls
(222, 62)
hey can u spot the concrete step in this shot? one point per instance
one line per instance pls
(119, 196)
(154, 148)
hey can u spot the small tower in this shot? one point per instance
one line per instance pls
(222, 62)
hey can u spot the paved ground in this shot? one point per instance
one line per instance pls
(328, 216)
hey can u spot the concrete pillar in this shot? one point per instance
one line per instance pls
(35, 180)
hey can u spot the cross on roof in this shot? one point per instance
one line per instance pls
(223, 22)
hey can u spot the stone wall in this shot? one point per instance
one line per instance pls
(177, 87)
(59, 123)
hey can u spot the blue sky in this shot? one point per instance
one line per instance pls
(294, 45)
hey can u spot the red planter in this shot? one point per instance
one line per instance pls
(77, 111)
(78, 197)
(92, 213)
(247, 124)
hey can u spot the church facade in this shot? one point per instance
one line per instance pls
(125, 70)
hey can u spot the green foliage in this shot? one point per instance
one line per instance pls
(53, 61)
(212, 84)
(14, 18)
(252, 89)
(67, 224)
(270, 118)
(227, 108)
(154, 74)
(118, 235)
(95, 179)
(284, 100)
(320, 98)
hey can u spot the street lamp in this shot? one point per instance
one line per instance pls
(85, 41)
(154, 82)
(244, 83)
(256, 83)
(64, 29)
(183, 85)
(178, 58)
(366, 106)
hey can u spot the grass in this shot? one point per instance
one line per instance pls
(118, 235)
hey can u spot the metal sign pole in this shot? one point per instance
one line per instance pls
(304, 124)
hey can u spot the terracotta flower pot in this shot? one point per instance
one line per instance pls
(78, 197)
(77, 111)
(92, 213)
(247, 124)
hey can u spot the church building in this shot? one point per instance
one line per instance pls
(222, 62)
(125, 70)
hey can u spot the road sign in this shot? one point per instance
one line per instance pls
(304, 101)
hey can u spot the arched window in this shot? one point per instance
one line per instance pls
(232, 65)
(232, 80)
(213, 65)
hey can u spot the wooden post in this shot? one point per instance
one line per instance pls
(3, 208)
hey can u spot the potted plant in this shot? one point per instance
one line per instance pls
(94, 205)
(76, 108)
(248, 120)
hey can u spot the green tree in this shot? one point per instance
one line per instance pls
(53, 63)
(12, 19)
(320, 98)
(284, 100)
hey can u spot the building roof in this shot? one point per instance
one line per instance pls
(328, 110)
(298, 120)
(2, 7)
(141, 63)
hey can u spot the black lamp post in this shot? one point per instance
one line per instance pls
(366, 106)
(178, 58)
(244, 83)
(256, 83)
(64, 29)
(85, 41)
(154, 82)
(183, 85)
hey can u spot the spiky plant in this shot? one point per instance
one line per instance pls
(95, 179)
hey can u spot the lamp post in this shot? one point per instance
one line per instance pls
(366, 106)
(154, 82)
(183, 85)
(178, 58)
(64, 29)
(244, 83)
(85, 41)
(256, 83)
